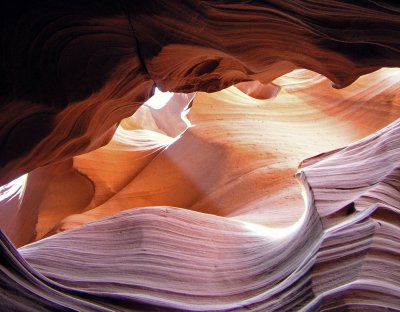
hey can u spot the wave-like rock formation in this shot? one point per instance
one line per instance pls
(276, 193)
(245, 240)
(225, 264)
(72, 70)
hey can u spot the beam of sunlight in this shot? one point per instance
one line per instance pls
(13, 189)
(159, 99)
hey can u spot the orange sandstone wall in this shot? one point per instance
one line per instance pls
(71, 71)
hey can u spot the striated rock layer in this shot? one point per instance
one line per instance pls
(193, 203)
(246, 240)
(223, 164)
(71, 71)
(334, 257)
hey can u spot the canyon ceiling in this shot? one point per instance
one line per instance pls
(200, 155)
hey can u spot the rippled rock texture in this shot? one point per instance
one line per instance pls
(200, 201)
(71, 71)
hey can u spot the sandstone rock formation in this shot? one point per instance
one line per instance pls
(199, 201)
(71, 71)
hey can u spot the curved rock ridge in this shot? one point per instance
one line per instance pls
(364, 267)
(217, 154)
(277, 192)
(33, 204)
(362, 190)
(177, 259)
(71, 71)
(263, 40)
(235, 247)
(238, 156)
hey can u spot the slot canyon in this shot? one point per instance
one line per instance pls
(200, 155)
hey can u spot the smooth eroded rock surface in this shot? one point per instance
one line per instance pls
(279, 191)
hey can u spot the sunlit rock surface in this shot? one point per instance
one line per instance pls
(72, 70)
(279, 193)
(214, 219)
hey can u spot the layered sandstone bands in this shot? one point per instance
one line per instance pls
(72, 71)
(236, 234)
(280, 193)
(328, 263)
